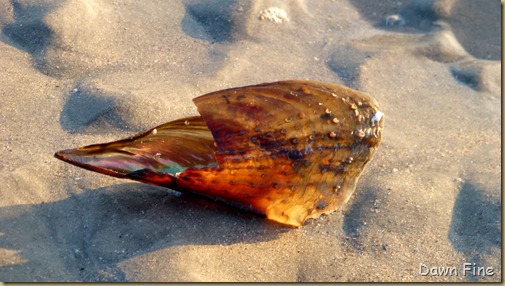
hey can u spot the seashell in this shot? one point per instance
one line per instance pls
(289, 150)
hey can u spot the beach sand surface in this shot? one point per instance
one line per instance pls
(79, 72)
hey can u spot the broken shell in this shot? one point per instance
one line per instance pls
(242, 149)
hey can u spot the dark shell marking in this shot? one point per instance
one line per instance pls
(290, 150)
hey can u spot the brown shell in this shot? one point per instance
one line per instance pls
(290, 150)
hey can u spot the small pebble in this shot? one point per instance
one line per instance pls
(274, 14)
(395, 21)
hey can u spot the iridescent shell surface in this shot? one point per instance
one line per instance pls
(290, 150)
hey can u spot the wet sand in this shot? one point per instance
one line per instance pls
(78, 72)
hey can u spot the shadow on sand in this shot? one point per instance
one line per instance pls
(91, 233)
(475, 224)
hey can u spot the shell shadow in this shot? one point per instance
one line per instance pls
(94, 231)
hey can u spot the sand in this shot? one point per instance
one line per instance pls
(77, 72)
